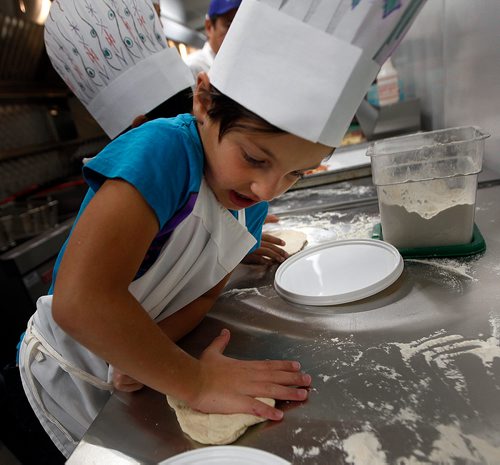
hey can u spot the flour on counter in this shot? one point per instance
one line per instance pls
(496, 269)
(388, 372)
(394, 388)
(325, 378)
(412, 460)
(364, 449)
(453, 445)
(441, 349)
(461, 268)
(305, 453)
(407, 415)
(241, 292)
(328, 226)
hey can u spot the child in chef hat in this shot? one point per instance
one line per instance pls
(161, 229)
(115, 59)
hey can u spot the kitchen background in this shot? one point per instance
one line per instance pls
(449, 60)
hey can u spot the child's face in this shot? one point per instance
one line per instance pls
(245, 168)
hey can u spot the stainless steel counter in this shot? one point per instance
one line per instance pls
(409, 376)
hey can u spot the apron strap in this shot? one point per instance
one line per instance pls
(48, 350)
(28, 354)
(36, 343)
(242, 217)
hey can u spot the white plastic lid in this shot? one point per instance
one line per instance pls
(338, 272)
(226, 455)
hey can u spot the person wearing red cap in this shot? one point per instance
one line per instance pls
(217, 22)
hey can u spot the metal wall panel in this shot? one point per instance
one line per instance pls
(450, 59)
(472, 57)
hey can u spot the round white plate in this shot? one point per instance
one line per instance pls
(226, 455)
(338, 272)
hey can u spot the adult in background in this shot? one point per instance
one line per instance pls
(217, 22)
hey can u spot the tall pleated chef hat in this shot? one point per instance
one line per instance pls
(114, 56)
(305, 65)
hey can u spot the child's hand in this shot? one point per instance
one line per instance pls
(268, 252)
(230, 386)
(123, 382)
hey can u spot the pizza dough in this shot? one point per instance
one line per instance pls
(295, 240)
(213, 428)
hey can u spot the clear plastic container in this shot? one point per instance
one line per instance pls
(426, 186)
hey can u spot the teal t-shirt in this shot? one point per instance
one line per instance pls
(164, 160)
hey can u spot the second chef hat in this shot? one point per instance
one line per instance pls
(305, 65)
(114, 57)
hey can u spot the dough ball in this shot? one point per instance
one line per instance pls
(295, 240)
(213, 428)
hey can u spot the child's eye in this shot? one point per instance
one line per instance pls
(251, 160)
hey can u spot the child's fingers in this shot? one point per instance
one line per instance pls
(272, 252)
(266, 237)
(274, 365)
(220, 343)
(271, 219)
(132, 387)
(125, 383)
(263, 410)
(252, 406)
(285, 378)
(276, 391)
(268, 252)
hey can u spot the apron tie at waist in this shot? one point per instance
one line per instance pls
(36, 344)
(44, 347)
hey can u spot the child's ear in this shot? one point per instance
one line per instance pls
(201, 99)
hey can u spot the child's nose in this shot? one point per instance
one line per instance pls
(267, 188)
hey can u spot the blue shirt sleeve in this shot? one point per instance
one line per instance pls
(255, 217)
(158, 159)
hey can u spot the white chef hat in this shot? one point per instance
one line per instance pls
(113, 55)
(305, 65)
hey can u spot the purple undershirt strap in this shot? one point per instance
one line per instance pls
(164, 234)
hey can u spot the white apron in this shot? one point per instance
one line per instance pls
(65, 383)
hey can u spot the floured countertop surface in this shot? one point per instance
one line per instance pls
(410, 376)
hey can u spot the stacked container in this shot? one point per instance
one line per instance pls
(426, 185)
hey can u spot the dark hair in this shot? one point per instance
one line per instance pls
(232, 116)
(182, 102)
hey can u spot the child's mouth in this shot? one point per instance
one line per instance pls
(240, 200)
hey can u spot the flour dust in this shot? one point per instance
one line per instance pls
(419, 402)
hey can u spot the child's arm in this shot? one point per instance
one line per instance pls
(183, 321)
(92, 303)
(175, 327)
